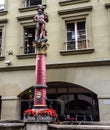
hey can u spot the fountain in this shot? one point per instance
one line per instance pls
(40, 112)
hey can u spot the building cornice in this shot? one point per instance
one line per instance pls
(75, 10)
(9, 98)
(59, 65)
(104, 96)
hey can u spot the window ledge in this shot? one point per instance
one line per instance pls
(107, 5)
(26, 9)
(79, 51)
(68, 2)
(26, 56)
(3, 12)
(75, 10)
(2, 21)
(2, 58)
(27, 17)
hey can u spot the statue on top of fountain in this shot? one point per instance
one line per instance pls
(41, 18)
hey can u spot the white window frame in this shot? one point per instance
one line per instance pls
(26, 4)
(24, 40)
(76, 34)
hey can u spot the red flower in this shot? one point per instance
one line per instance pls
(30, 112)
(48, 112)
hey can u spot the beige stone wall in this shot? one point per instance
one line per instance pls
(13, 83)
(10, 108)
(104, 107)
(95, 79)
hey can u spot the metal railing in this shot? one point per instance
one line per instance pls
(75, 45)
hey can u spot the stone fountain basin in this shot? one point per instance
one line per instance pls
(11, 125)
(80, 126)
(70, 125)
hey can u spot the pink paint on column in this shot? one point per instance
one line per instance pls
(40, 72)
(40, 81)
(44, 96)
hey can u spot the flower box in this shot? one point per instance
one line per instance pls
(44, 119)
(29, 118)
(42, 115)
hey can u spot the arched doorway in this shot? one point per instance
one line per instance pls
(69, 100)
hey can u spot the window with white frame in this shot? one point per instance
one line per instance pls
(76, 35)
(2, 5)
(0, 42)
(29, 3)
(29, 37)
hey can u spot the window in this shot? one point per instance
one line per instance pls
(76, 35)
(1, 5)
(29, 37)
(78, 30)
(0, 42)
(28, 3)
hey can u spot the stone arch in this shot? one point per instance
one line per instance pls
(67, 98)
(78, 100)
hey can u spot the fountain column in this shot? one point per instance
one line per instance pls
(41, 46)
(40, 81)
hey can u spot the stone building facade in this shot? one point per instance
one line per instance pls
(77, 61)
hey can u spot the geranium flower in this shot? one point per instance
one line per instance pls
(48, 112)
(30, 112)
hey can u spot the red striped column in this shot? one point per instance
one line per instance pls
(40, 82)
